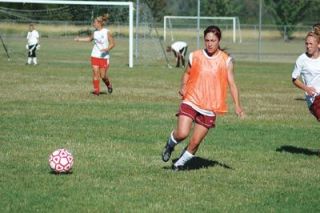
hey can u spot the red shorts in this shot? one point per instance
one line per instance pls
(203, 120)
(100, 62)
(315, 108)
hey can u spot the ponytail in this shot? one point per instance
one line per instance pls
(103, 19)
(316, 29)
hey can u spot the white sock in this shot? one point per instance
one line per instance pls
(184, 158)
(29, 60)
(172, 142)
(34, 61)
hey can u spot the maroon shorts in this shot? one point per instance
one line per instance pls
(315, 107)
(203, 120)
(100, 62)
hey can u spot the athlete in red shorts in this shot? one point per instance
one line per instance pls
(103, 43)
(307, 68)
(203, 91)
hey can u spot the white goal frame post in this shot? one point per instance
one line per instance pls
(235, 24)
(111, 3)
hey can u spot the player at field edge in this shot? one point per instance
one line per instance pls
(307, 67)
(203, 90)
(32, 45)
(100, 55)
(179, 49)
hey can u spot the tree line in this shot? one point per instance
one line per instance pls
(279, 12)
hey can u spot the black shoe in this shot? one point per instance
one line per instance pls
(166, 154)
(95, 93)
(110, 90)
(177, 168)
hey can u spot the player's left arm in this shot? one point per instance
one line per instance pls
(111, 41)
(38, 40)
(234, 91)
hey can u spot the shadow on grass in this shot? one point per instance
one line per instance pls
(101, 93)
(298, 150)
(300, 99)
(200, 163)
(60, 173)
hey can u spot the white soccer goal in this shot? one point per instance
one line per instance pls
(171, 23)
(128, 5)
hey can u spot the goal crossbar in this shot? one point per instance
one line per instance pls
(111, 3)
(234, 22)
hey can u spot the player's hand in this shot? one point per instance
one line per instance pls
(240, 113)
(181, 92)
(311, 91)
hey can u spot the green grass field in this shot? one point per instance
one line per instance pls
(267, 162)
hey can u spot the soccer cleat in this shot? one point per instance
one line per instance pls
(177, 168)
(110, 90)
(166, 154)
(96, 93)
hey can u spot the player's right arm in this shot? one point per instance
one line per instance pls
(85, 39)
(297, 82)
(184, 80)
(309, 90)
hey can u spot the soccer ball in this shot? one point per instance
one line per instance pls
(61, 161)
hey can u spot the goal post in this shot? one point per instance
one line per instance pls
(106, 3)
(235, 24)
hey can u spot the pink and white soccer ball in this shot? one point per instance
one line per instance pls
(61, 161)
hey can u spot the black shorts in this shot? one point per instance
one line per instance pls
(32, 50)
(183, 51)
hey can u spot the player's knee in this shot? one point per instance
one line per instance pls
(180, 135)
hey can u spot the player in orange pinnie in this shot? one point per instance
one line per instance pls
(103, 43)
(203, 91)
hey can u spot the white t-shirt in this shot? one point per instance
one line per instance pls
(178, 45)
(100, 40)
(309, 70)
(33, 37)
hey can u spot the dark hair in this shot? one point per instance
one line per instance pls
(316, 28)
(213, 29)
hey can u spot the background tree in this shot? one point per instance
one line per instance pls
(287, 13)
(221, 7)
(157, 8)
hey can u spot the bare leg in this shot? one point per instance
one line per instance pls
(106, 79)
(198, 135)
(184, 125)
(199, 132)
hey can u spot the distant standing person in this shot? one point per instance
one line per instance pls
(203, 89)
(179, 49)
(103, 42)
(307, 67)
(33, 45)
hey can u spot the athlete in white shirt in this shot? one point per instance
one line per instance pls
(103, 43)
(179, 49)
(308, 68)
(33, 44)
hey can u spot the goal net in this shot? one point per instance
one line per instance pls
(150, 49)
(58, 23)
(185, 27)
